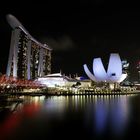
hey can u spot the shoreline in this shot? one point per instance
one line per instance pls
(71, 93)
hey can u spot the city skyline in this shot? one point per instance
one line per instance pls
(77, 32)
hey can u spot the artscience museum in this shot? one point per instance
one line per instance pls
(114, 73)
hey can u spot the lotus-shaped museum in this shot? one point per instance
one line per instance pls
(114, 70)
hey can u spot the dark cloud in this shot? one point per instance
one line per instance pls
(63, 43)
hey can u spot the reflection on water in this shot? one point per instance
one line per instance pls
(86, 117)
(119, 114)
(101, 114)
(108, 114)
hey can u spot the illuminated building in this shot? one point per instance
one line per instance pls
(28, 58)
(114, 72)
(59, 80)
(53, 80)
(125, 69)
(138, 69)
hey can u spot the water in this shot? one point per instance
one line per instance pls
(72, 117)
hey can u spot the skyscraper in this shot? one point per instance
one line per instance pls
(28, 58)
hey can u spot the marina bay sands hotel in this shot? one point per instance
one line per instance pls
(28, 58)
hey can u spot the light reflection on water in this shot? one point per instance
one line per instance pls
(108, 113)
(87, 117)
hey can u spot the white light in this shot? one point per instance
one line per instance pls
(89, 74)
(99, 70)
(114, 70)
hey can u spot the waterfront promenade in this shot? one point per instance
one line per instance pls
(71, 91)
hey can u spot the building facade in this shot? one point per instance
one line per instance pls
(114, 73)
(28, 58)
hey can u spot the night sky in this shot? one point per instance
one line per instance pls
(77, 31)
